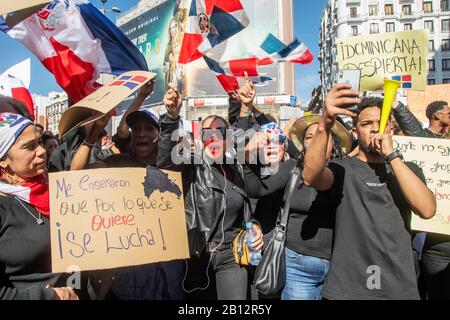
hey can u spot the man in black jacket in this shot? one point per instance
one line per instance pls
(437, 112)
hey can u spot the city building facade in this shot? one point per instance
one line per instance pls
(347, 18)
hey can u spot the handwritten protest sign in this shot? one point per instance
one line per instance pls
(419, 100)
(433, 157)
(16, 5)
(102, 101)
(109, 218)
(396, 55)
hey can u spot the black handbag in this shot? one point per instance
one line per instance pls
(270, 274)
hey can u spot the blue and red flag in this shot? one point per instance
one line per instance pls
(76, 42)
(210, 23)
(406, 81)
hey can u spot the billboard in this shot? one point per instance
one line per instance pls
(158, 33)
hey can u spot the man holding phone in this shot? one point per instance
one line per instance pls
(372, 256)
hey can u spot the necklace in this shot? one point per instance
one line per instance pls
(38, 220)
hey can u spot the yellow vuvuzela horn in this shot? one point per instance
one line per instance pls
(390, 91)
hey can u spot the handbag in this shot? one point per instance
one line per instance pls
(241, 252)
(270, 274)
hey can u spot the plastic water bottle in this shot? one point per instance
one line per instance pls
(255, 255)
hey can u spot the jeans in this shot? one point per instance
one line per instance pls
(305, 276)
(437, 277)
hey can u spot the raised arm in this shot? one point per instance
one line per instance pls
(80, 160)
(419, 198)
(407, 121)
(315, 172)
(168, 124)
(123, 131)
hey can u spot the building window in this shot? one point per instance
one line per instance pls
(354, 30)
(407, 26)
(374, 28)
(445, 45)
(373, 10)
(431, 45)
(353, 12)
(390, 27)
(446, 64)
(431, 82)
(445, 25)
(428, 7)
(389, 9)
(446, 81)
(406, 10)
(445, 5)
(429, 25)
(431, 65)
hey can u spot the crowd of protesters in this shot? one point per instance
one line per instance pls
(349, 217)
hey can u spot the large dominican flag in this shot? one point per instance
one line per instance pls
(77, 43)
(210, 23)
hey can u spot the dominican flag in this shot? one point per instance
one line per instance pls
(273, 50)
(77, 43)
(129, 81)
(406, 81)
(13, 87)
(228, 72)
(210, 23)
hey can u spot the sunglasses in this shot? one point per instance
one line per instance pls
(219, 133)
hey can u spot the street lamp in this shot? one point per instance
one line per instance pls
(113, 9)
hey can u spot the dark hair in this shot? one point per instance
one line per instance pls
(270, 117)
(434, 107)
(40, 126)
(18, 106)
(336, 153)
(48, 135)
(214, 117)
(367, 102)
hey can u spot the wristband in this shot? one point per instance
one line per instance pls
(90, 145)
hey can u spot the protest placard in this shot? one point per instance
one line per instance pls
(109, 218)
(433, 157)
(16, 5)
(104, 100)
(399, 56)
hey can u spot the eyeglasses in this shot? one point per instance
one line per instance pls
(219, 133)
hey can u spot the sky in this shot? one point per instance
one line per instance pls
(307, 16)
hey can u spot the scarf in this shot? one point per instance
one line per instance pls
(35, 192)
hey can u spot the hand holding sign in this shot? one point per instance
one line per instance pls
(104, 100)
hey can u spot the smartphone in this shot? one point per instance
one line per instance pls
(351, 77)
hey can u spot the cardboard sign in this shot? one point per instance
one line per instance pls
(102, 101)
(109, 218)
(16, 5)
(419, 100)
(399, 56)
(433, 157)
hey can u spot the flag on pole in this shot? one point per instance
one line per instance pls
(272, 50)
(227, 72)
(77, 43)
(210, 23)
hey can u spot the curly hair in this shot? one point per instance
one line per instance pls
(367, 102)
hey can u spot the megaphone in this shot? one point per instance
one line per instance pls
(390, 91)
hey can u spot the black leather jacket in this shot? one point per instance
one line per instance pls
(203, 189)
(409, 123)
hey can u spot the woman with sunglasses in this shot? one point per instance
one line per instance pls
(216, 204)
(310, 225)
